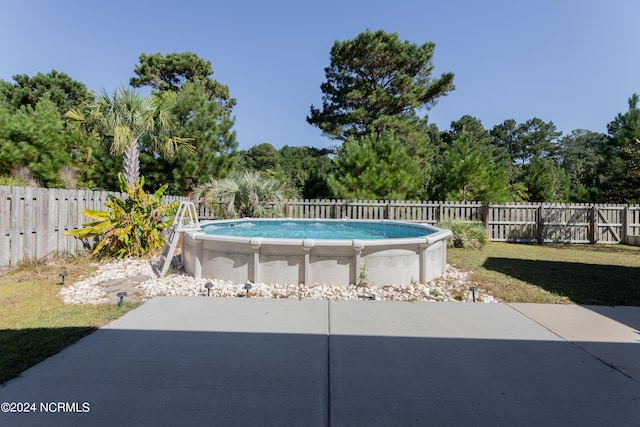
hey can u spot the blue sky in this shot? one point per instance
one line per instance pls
(573, 62)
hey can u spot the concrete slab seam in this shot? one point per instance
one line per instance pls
(329, 363)
(536, 322)
(615, 368)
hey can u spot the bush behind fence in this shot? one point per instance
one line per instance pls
(33, 220)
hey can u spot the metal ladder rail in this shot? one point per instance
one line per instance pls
(186, 219)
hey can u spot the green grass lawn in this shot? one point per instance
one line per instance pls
(34, 323)
(582, 274)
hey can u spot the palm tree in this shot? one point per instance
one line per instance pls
(245, 194)
(125, 117)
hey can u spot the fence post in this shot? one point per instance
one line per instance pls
(624, 238)
(540, 224)
(5, 234)
(485, 217)
(16, 219)
(593, 223)
(28, 250)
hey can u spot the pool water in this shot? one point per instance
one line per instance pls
(303, 229)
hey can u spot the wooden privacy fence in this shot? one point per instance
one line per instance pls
(513, 222)
(33, 220)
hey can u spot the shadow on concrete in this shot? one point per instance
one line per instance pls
(629, 316)
(473, 382)
(137, 377)
(581, 283)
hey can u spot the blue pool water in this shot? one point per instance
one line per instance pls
(292, 229)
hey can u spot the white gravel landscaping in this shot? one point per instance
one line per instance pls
(453, 285)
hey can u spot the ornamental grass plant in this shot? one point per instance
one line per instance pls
(466, 235)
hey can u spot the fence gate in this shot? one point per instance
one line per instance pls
(609, 224)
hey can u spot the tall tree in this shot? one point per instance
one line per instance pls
(262, 158)
(505, 139)
(375, 167)
(531, 139)
(546, 181)
(304, 169)
(581, 157)
(307, 169)
(58, 87)
(623, 156)
(209, 126)
(537, 139)
(35, 138)
(41, 141)
(201, 110)
(122, 119)
(376, 83)
(468, 124)
(104, 166)
(466, 171)
(171, 72)
(518, 145)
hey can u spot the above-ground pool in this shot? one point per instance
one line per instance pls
(328, 252)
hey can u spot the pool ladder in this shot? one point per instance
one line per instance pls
(186, 219)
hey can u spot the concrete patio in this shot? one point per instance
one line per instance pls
(204, 361)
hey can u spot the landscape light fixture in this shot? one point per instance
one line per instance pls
(121, 295)
(62, 275)
(247, 287)
(208, 285)
(473, 290)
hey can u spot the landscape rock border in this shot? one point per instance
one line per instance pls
(137, 278)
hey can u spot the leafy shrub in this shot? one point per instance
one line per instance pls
(131, 227)
(465, 234)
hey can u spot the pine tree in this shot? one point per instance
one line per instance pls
(467, 172)
(209, 129)
(622, 167)
(375, 167)
(377, 83)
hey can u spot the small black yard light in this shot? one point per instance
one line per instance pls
(62, 275)
(208, 285)
(473, 290)
(247, 287)
(121, 295)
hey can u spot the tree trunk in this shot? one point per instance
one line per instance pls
(132, 163)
